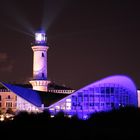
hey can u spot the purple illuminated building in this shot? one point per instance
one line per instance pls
(106, 94)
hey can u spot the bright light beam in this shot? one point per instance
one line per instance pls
(52, 9)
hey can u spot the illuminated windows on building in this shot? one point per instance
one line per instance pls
(101, 98)
(8, 104)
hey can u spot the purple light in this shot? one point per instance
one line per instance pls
(103, 95)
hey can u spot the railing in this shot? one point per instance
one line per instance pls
(62, 91)
(4, 90)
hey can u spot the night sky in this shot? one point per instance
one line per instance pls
(88, 40)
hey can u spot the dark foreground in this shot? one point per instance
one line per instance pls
(117, 124)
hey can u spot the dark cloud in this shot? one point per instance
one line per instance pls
(3, 57)
(5, 63)
(6, 68)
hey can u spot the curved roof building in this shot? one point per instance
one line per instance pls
(109, 93)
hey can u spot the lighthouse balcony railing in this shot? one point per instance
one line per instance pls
(62, 91)
(4, 90)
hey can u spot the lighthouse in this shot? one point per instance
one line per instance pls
(40, 80)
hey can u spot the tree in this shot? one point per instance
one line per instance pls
(9, 111)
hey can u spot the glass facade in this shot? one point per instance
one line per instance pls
(103, 95)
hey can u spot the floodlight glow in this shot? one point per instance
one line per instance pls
(40, 37)
(103, 95)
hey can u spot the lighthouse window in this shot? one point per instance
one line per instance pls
(42, 74)
(42, 54)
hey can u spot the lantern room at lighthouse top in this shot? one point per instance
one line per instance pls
(40, 38)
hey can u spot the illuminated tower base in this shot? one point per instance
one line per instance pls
(41, 85)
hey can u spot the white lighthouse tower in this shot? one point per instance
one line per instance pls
(40, 81)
